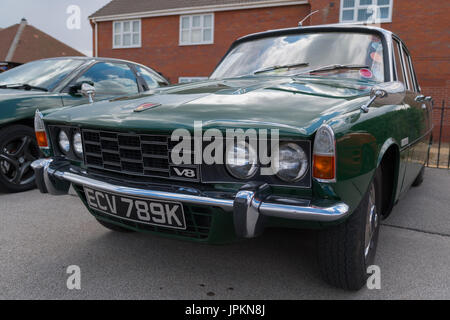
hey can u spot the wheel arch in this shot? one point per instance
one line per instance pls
(29, 122)
(389, 162)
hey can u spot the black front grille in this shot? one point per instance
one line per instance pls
(132, 154)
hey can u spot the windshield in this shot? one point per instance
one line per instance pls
(41, 73)
(347, 55)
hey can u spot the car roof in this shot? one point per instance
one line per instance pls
(90, 59)
(319, 28)
(102, 59)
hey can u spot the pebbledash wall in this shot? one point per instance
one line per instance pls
(422, 25)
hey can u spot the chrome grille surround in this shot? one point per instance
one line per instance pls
(131, 154)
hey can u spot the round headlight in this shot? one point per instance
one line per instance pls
(77, 144)
(63, 141)
(293, 162)
(241, 160)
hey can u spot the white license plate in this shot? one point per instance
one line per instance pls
(141, 210)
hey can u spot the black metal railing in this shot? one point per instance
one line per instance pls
(439, 152)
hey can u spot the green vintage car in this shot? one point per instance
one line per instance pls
(49, 84)
(336, 109)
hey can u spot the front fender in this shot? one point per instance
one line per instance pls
(391, 142)
(18, 107)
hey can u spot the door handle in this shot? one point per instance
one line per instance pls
(421, 98)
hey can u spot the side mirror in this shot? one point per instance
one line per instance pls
(75, 90)
(88, 90)
(388, 93)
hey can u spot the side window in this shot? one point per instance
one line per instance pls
(413, 74)
(398, 62)
(111, 78)
(408, 75)
(152, 81)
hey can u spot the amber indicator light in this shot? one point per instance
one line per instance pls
(323, 167)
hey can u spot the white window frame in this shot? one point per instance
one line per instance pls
(121, 46)
(190, 16)
(191, 79)
(359, 6)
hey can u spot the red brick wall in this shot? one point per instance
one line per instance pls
(328, 11)
(160, 38)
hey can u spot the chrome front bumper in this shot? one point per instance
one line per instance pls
(250, 206)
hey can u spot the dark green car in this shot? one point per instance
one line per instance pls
(316, 127)
(49, 84)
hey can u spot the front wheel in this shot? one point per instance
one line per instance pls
(346, 250)
(18, 149)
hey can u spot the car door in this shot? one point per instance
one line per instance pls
(110, 79)
(419, 119)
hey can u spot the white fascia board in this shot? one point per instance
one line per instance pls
(202, 9)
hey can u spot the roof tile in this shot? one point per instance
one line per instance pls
(6, 38)
(135, 6)
(34, 44)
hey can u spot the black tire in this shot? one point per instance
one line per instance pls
(18, 149)
(114, 227)
(342, 248)
(419, 178)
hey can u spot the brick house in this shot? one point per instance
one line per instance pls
(186, 39)
(23, 43)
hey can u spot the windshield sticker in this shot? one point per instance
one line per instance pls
(366, 73)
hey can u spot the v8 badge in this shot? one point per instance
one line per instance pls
(184, 173)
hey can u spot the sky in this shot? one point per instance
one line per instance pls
(51, 17)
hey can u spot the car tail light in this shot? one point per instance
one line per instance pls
(324, 155)
(39, 129)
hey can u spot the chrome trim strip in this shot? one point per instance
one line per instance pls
(311, 213)
(410, 144)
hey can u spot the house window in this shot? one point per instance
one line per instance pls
(371, 11)
(197, 29)
(127, 34)
(191, 79)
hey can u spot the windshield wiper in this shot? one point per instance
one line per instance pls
(286, 66)
(22, 86)
(337, 67)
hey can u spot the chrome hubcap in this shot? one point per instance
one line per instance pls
(371, 221)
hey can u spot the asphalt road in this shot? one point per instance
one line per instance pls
(41, 235)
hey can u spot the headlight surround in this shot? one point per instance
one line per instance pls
(77, 144)
(293, 162)
(64, 142)
(241, 160)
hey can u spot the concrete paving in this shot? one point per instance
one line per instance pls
(41, 235)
